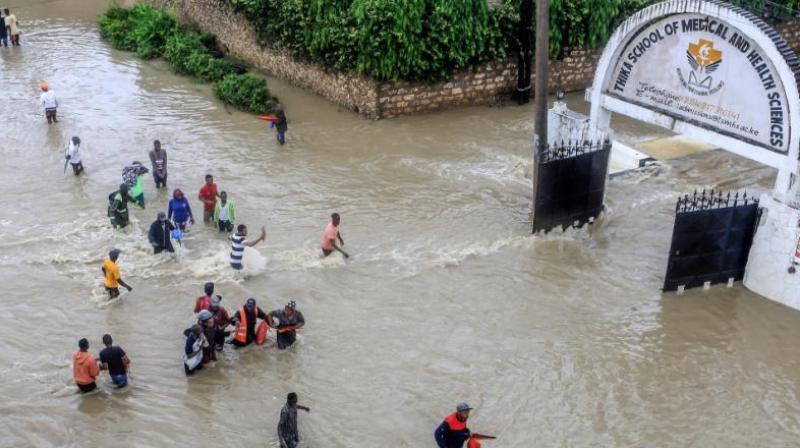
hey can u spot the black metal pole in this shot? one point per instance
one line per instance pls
(540, 98)
(523, 93)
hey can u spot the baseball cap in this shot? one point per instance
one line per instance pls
(463, 406)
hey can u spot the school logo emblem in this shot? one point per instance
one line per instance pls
(704, 60)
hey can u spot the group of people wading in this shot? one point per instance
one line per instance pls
(215, 326)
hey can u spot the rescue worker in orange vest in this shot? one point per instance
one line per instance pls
(453, 431)
(245, 322)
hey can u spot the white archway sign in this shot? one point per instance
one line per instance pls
(710, 71)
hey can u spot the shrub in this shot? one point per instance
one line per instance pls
(151, 27)
(204, 66)
(115, 27)
(246, 92)
(152, 33)
(179, 48)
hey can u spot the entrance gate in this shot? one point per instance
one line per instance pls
(711, 239)
(571, 184)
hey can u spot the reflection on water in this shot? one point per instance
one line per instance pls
(563, 339)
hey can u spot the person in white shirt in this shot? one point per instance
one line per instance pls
(49, 103)
(73, 155)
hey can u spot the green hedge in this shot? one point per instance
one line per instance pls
(246, 92)
(428, 40)
(151, 33)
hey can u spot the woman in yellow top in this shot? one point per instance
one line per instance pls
(113, 277)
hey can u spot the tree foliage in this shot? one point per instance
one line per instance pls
(151, 33)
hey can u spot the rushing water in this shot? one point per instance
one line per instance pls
(563, 340)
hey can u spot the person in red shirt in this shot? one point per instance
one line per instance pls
(221, 319)
(204, 302)
(208, 195)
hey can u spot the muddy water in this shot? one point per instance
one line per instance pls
(562, 340)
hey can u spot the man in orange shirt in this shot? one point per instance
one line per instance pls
(84, 367)
(331, 235)
(208, 196)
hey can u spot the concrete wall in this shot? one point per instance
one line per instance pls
(485, 84)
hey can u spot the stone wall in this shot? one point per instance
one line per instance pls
(238, 38)
(485, 84)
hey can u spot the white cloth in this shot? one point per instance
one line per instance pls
(49, 100)
(195, 360)
(74, 153)
(223, 212)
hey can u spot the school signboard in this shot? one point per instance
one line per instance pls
(707, 69)
(702, 69)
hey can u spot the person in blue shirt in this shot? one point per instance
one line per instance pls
(180, 212)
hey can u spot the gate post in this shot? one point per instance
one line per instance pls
(774, 253)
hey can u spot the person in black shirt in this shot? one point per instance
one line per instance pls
(115, 361)
(289, 320)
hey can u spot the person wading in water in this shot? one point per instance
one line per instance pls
(158, 158)
(287, 425)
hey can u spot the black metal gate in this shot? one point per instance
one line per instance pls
(711, 239)
(570, 184)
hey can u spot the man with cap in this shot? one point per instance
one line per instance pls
(113, 278)
(159, 234)
(118, 206)
(204, 302)
(453, 431)
(245, 322)
(286, 323)
(221, 320)
(206, 321)
(49, 102)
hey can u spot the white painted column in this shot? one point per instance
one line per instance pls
(772, 253)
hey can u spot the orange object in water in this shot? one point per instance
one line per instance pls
(473, 443)
(267, 117)
(261, 333)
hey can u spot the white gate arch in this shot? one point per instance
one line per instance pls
(708, 70)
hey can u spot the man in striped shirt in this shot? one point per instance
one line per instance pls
(238, 243)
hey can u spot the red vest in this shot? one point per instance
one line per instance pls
(454, 423)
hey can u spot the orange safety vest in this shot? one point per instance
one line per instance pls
(241, 330)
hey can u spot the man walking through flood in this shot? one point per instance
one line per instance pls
(3, 31)
(453, 431)
(158, 158)
(118, 207)
(245, 322)
(287, 425)
(73, 155)
(289, 320)
(84, 367)
(49, 102)
(10, 22)
(238, 244)
(113, 278)
(115, 361)
(330, 236)
(160, 234)
(208, 196)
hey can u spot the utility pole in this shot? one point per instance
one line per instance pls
(540, 94)
(524, 59)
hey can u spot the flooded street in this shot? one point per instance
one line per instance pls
(562, 340)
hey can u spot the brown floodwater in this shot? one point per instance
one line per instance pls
(562, 340)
